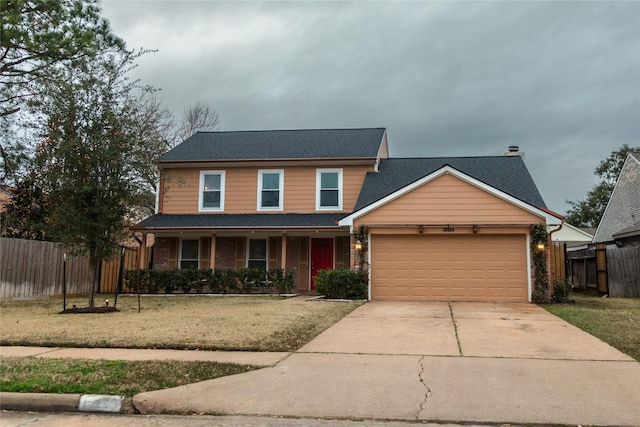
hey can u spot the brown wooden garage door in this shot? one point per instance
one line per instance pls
(449, 268)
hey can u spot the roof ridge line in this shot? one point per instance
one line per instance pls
(288, 130)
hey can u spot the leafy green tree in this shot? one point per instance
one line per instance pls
(588, 211)
(37, 39)
(93, 155)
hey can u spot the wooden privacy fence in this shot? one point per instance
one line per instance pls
(558, 261)
(582, 273)
(623, 271)
(607, 268)
(30, 268)
(110, 269)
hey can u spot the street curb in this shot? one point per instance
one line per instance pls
(49, 402)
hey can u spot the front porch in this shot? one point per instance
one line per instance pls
(304, 253)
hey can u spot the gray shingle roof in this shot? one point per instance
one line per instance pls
(505, 173)
(278, 144)
(240, 220)
(623, 208)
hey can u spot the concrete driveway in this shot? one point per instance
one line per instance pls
(457, 362)
(460, 329)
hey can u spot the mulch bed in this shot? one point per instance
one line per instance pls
(80, 310)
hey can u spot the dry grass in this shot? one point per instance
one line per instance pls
(177, 322)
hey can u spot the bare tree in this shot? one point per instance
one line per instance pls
(197, 117)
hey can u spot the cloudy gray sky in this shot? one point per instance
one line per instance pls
(559, 79)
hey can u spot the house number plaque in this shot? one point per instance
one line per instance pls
(448, 229)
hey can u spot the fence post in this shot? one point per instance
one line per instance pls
(601, 267)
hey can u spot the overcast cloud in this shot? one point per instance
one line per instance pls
(559, 79)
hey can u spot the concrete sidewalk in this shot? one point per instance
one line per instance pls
(239, 357)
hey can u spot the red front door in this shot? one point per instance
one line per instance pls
(321, 257)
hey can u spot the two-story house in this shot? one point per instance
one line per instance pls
(436, 228)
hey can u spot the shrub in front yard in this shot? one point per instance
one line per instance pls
(561, 291)
(342, 284)
(226, 281)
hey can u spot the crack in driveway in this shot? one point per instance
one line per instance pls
(427, 391)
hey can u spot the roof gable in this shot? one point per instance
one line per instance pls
(569, 233)
(278, 145)
(507, 174)
(447, 169)
(623, 208)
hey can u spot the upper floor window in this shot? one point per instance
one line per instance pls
(211, 191)
(329, 189)
(270, 187)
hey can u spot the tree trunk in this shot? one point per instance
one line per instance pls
(96, 282)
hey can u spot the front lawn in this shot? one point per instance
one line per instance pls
(116, 377)
(615, 321)
(174, 322)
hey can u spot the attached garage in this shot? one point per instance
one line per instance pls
(448, 236)
(470, 267)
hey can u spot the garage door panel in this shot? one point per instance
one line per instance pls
(470, 267)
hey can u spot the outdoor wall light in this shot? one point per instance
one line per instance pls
(540, 246)
(358, 245)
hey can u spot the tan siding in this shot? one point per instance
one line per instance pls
(448, 200)
(383, 152)
(353, 178)
(180, 189)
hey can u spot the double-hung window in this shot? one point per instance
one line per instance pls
(329, 189)
(270, 188)
(257, 254)
(189, 253)
(211, 191)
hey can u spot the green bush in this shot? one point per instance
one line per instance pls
(561, 291)
(342, 284)
(225, 281)
(282, 280)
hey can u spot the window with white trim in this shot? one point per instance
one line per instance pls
(189, 253)
(329, 189)
(211, 191)
(257, 257)
(270, 188)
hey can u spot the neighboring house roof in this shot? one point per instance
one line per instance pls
(623, 209)
(189, 221)
(278, 144)
(632, 231)
(569, 233)
(507, 174)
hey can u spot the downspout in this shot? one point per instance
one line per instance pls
(549, 263)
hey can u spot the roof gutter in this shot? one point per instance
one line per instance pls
(213, 227)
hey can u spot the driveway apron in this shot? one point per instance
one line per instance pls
(458, 362)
